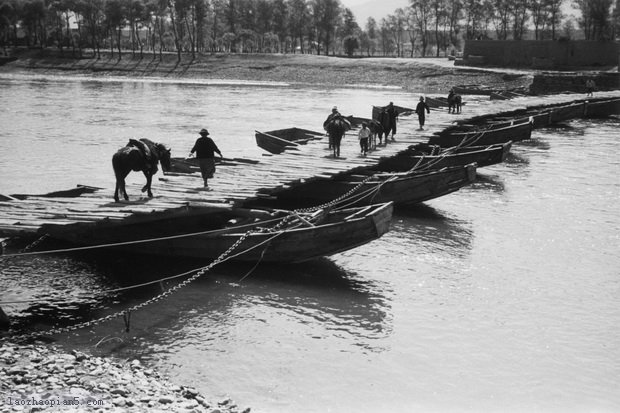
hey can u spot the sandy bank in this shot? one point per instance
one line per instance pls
(435, 75)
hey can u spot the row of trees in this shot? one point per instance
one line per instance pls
(289, 26)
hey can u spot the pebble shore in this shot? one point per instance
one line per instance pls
(37, 377)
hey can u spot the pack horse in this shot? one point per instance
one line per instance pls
(139, 155)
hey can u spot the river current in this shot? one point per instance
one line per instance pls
(501, 297)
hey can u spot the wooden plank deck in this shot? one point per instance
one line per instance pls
(236, 182)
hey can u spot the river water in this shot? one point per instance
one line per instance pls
(503, 296)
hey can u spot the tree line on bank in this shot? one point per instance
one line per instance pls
(425, 27)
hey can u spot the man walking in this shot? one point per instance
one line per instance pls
(205, 150)
(420, 108)
(393, 116)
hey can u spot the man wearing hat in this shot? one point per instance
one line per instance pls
(393, 116)
(205, 150)
(331, 116)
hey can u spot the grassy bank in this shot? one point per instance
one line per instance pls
(412, 74)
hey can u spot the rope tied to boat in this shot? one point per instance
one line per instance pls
(126, 313)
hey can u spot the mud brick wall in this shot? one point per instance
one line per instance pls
(547, 54)
(573, 82)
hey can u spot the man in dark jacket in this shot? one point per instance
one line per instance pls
(205, 150)
(419, 109)
(393, 116)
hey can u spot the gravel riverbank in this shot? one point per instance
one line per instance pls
(44, 378)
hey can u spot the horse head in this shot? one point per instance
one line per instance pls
(163, 154)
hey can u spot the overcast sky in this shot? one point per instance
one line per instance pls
(378, 9)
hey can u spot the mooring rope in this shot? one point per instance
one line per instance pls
(122, 243)
(124, 313)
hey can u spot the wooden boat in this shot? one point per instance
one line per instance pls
(68, 193)
(505, 95)
(356, 121)
(473, 90)
(425, 157)
(190, 165)
(487, 136)
(437, 102)
(367, 187)
(7, 59)
(562, 112)
(602, 108)
(5, 323)
(567, 112)
(206, 231)
(277, 141)
(402, 111)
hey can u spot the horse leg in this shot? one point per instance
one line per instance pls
(124, 191)
(120, 186)
(147, 188)
(116, 189)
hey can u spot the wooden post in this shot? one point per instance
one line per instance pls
(4, 320)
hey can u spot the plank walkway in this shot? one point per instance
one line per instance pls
(237, 182)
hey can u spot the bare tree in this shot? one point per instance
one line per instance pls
(554, 10)
(385, 34)
(326, 15)
(422, 13)
(519, 14)
(396, 25)
(473, 16)
(298, 20)
(501, 19)
(371, 31)
(410, 28)
(595, 18)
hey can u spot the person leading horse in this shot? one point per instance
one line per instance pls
(336, 126)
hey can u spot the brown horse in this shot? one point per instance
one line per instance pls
(139, 155)
(454, 102)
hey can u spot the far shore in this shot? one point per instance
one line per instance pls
(427, 74)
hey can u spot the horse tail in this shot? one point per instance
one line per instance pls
(117, 163)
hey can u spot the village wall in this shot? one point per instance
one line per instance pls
(540, 54)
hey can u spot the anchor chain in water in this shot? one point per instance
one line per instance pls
(126, 313)
(27, 248)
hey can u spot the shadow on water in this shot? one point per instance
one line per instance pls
(536, 143)
(65, 289)
(41, 292)
(488, 182)
(234, 295)
(432, 230)
(516, 159)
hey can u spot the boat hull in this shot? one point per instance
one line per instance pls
(280, 140)
(482, 156)
(177, 235)
(603, 108)
(491, 136)
(359, 190)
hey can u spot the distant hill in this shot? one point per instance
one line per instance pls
(378, 9)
